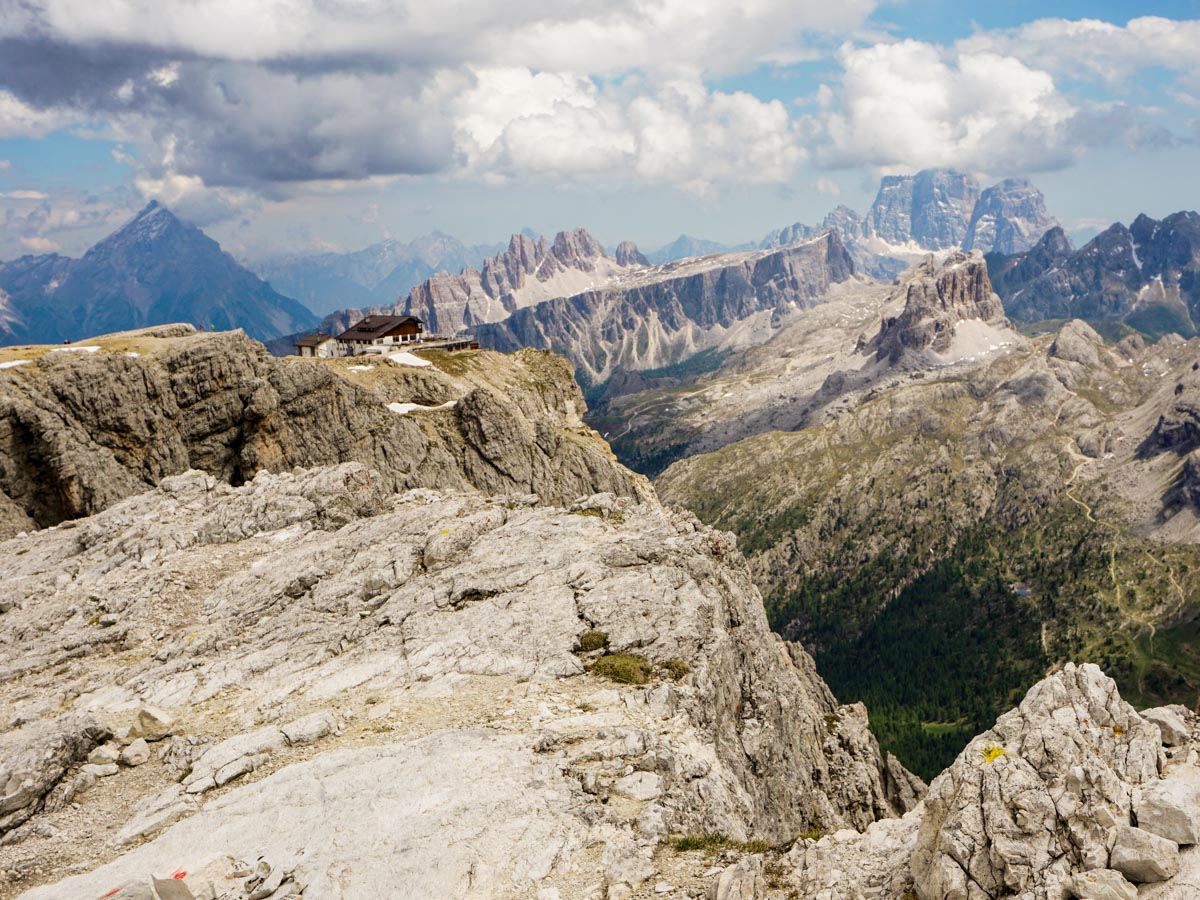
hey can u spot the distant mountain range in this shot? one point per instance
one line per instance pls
(379, 274)
(155, 269)
(931, 211)
(1146, 275)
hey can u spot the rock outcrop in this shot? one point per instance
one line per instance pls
(937, 299)
(348, 675)
(627, 254)
(80, 430)
(1039, 806)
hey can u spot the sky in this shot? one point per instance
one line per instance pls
(301, 126)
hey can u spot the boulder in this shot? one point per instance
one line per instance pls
(34, 758)
(152, 724)
(1143, 857)
(1102, 884)
(136, 753)
(741, 881)
(1170, 808)
(1172, 721)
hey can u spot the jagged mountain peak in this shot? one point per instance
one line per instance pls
(938, 296)
(628, 254)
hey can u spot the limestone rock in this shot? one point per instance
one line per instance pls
(937, 299)
(1174, 722)
(1009, 217)
(1170, 808)
(156, 812)
(741, 881)
(660, 316)
(310, 728)
(35, 757)
(104, 754)
(1142, 856)
(80, 431)
(456, 617)
(136, 753)
(152, 724)
(1102, 884)
(1033, 798)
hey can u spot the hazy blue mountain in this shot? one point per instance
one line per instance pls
(153, 270)
(686, 246)
(380, 274)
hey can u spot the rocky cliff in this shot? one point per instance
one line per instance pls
(1009, 217)
(932, 208)
(1146, 275)
(80, 430)
(820, 363)
(669, 313)
(312, 683)
(936, 299)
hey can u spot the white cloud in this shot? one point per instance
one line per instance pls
(909, 105)
(40, 245)
(713, 35)
(1092, 50)
(23, 195)
(5, 165)
(515, 122)
(20, 120)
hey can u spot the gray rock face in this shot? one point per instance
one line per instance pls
(1034, 798)
(1009, 217)
(451, 303)
(1174, 722)
(672, 313)
(79, 431)
(937, 299)
(932, 208)
(1170, 809)
(443, 629)
(627, 254)
(34, 759)
(1102, 884)
(1143, 856)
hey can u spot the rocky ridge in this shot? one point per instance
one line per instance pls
(326, 675)
(1008, 217)
(82, 428)
(1042, 805)
(937, 298)
(656, 317)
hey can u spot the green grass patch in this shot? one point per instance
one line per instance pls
(677, 669)
(592, 640)
(623, 668)
(714, 842)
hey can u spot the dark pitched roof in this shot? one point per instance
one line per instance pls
(313, 340)
(373, 327)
